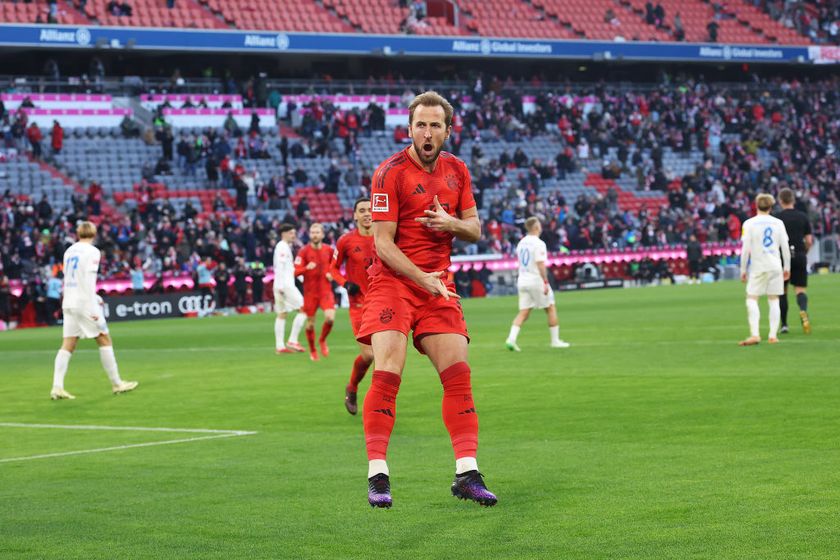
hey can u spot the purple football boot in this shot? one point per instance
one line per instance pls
(470, 486)
(379, 491)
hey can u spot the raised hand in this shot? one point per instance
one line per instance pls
(437, 219)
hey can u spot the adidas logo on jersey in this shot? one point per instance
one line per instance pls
(385, 411)
(419, 190)
(357, 249)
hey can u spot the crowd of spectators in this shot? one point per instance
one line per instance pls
(818, 20)
(752, 137)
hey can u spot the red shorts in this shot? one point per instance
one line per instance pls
(396, 304)
(325, 300)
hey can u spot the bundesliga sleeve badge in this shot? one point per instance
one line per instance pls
(379, 202)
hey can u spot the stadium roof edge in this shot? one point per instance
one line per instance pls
(266, 42)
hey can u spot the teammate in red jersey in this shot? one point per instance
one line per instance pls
(355, 251)
(314, 262)
(420, 201)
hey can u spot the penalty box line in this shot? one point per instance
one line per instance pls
(211, 434)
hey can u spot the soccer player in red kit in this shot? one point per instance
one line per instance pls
(355, 251)
(314, 262)
(420, 201)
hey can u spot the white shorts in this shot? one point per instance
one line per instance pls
(532, 297)
(766, 283)
(79, 323)
(290, 299)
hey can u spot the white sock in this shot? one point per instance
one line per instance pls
(279, 333)
(555, 333)
(465, 464)
(775, 317)
(514, 332)
(377, 466)
(297, 325)
(62, 360)
(753, 316)
(109, 363)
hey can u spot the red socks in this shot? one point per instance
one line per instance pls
(360, 367)
(459, 413)
(379, 410)
(310, 338)
(326, 327)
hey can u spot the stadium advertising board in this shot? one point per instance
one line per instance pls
(63, 36)
(157, 306)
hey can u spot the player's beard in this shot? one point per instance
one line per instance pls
(421, 153)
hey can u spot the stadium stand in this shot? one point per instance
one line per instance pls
(736, 22)
(293, 15)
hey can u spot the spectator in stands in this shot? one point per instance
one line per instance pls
(231, 126)
(240, 282)
(137, 278)
(5, 299)
(679, 30)
(35, 136)
(163, 167)
(222, 277)
(44, 210)
(659, 15)
(254, 127)
(300, 177)
(130, 128)
(712, 28)
(302, 210)
(650, 16)
(241, 189)
(57, 137)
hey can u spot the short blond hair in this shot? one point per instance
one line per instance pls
(764, 202)
(86, 230)
(531, 223)
(431, 99)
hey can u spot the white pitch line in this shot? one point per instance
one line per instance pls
(125, 428)
(216, 434)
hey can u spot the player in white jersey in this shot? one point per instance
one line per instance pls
(534, 290)
(287, 298)
(763, 239)
(83, 314)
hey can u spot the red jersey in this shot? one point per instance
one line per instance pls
(355, 251)
(402, 191)
(315, 280)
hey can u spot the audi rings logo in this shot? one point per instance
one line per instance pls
(158, 306)
(196, 304)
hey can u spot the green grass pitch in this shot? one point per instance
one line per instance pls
(653, 436)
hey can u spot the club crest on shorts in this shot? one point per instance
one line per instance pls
(386, 315)
(379, 202)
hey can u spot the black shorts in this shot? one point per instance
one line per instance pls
(798, 271)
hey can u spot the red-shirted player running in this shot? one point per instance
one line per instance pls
(314, 261)
(420, 201)
(355, 251)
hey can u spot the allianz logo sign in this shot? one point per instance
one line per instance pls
(279, 41)
(79, 36)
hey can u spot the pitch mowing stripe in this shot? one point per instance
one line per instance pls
(215, 434)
